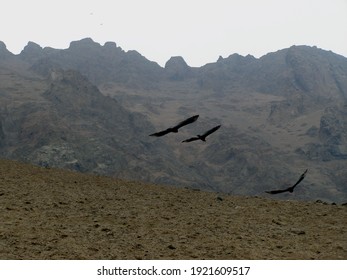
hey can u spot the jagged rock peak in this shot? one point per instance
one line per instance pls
(3, 49)
(111, 48)
(110, 45)
(86, 42)
(303, 47)
(177, 68)
(220, 59)
(176, 62)
(31, 48)
(134, 54)
(235, 58)
(2, 46)
(4, 52)
(33, 52)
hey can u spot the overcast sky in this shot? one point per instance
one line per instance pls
(199, 31)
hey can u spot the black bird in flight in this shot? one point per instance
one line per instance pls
(290, 189)
(175, 128)
(202, 137)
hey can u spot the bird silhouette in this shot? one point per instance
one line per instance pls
(202, 137)
(176, 127)
(290, 189)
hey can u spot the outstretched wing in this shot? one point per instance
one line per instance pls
(277, 191)
(290, 189)
(190, 139)
(210, 131)
(300, 179)
(175, 128)
(162, 133)
(185, 122)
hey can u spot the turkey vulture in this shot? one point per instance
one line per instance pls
(202, 137)
(175, 128)
(290, 189)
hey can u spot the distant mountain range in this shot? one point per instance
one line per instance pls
(91, 108)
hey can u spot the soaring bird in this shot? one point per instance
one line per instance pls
(290, 189)
(202, 137)
(175, 128)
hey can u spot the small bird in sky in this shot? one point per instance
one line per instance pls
(176, 127)
(290, 189)
(202, 137)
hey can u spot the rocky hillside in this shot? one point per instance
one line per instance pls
(91, 108)
(49, 213)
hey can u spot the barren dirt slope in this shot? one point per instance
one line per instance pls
(57, 214)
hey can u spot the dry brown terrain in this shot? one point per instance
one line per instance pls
(57, 214)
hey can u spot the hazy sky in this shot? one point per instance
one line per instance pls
(199, 31)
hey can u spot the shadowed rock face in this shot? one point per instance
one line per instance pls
(333, 126)
(333, 133)
(3, 51)
(91, 108)
(332, 136)
(177, 69)
(287, 109)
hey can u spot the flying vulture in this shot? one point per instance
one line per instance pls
(175, 128)
(202, 137)
(290, 189)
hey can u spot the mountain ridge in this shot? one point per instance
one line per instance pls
(92, 107)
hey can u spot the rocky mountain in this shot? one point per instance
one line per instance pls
(91, 108)
(100, 64)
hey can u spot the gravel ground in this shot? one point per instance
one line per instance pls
(57, 214)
